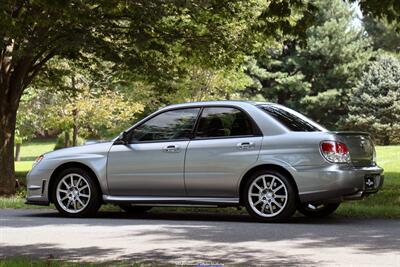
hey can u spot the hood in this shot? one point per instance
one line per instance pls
(78, 151)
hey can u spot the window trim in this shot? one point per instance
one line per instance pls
(130, 131)
(255, 129)
(317, 125)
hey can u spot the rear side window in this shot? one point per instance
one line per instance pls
(223, 122)
(291, 120)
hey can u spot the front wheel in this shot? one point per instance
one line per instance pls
(318, 211)
(75, 194)
(270, 196)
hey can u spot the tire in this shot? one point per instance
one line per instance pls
(318, 211)
(134, 209)
(81, 199)
(269, 196)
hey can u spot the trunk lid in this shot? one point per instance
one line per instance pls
(361, 147)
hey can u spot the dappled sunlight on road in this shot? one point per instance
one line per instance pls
(190, 238)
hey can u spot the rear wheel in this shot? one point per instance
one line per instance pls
(318, 211)
(75, 194)
(134, 209)
(269, 196)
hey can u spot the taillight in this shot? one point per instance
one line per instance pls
(335, 152)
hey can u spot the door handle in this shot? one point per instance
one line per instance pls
(245, 145)
(171, 148)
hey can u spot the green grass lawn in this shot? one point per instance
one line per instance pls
(29, 152)
(384, 204)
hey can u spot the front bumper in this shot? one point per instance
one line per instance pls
(37, 186)
(338, 183)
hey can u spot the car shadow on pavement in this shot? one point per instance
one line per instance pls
(365, 235)
(192, 216)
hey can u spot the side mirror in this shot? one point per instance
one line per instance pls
(122, 139)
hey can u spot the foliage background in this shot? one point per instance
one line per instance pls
(327, 73)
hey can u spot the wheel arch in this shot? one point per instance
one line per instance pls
(273, 167)
(72, 164)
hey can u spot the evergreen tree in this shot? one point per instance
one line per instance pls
(384, 34)
(277, 76)
(375, 104)
(317, 77)
(332, 62)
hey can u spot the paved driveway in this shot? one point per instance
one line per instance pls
(200, 238)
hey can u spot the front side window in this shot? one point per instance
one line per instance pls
(292, 120)
(223, 122)
(170, 125)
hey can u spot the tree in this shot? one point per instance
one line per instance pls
(332, 62)
(316, 75)
(384, 34)
(378, 9)
(146, 36)
(375, 104)
(205, 84)
(82, 114)
(277, 76)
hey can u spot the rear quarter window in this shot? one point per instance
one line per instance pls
(290, 120)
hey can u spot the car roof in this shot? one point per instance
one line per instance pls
(218, 102)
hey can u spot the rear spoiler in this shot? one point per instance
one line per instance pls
(351, 133)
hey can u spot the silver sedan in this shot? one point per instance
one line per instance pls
(266, 157)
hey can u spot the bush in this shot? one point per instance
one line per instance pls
(61, 140)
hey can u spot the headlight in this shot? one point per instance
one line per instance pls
(37, 160)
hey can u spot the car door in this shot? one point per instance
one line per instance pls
(152, 164)
(226, 143)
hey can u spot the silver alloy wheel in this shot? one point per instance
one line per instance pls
(73, 193)
(267, 195)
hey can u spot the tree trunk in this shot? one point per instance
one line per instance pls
(75, 128)
(75, 136)
(66, 138)
(16, 73)
(386, 140)
(17, 152)
(7, 127)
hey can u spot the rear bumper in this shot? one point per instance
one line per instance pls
(340, 183)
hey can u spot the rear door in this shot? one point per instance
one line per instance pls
(226, 143)
(152, 163)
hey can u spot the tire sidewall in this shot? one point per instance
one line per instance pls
(288, 210)
(94, 201)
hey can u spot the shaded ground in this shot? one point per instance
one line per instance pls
(192, 238)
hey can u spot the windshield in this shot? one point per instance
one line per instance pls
(291, 119)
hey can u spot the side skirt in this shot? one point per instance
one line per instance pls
(202, 201)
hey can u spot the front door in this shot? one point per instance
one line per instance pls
(152, 164)
(226, 143)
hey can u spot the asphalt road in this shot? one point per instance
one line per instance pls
(188, 238)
